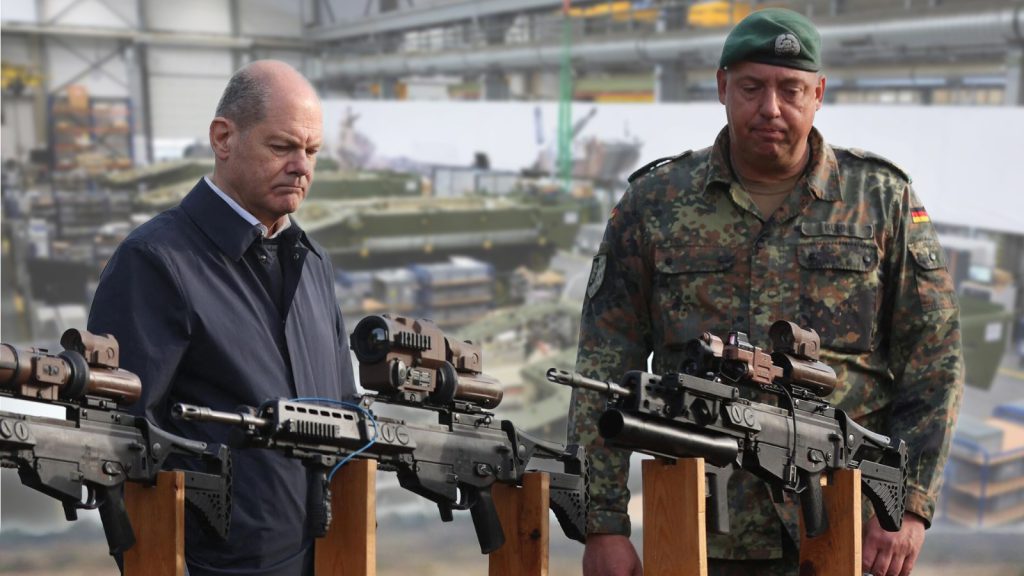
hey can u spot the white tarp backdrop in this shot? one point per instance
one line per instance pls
(967, 163)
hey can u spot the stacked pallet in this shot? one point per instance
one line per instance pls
(457, 292)
(984, 483)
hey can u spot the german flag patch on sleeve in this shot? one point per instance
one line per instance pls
(919, 215)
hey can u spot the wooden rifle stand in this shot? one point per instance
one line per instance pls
(837, 552)
(350, 546)
(674, 518)
(523, 513)
(157, 514)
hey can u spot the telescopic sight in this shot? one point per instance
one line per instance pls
(371, 340)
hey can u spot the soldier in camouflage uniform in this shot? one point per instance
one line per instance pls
(772, 223)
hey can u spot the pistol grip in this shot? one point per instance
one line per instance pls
(319, 505)
(812, 504)
(486, 522)
(116, 525)
(718, 498)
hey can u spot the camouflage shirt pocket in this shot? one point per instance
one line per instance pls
(934, 285)
(695, 290)
(839, 288)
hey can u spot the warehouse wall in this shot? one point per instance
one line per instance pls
(105, 14)
(212, 16)
(18, 134)
(67, 60)
(19, 125)
(271, 18)
(184, 81)
(183, 95)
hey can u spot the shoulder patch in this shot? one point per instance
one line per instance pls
(872, 157)
(651, 166)
(597, 270)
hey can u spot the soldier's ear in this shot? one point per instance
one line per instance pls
(819, 91)
(722, 77)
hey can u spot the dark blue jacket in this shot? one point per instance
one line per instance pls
(197, 326)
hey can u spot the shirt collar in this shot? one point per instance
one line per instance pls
(264, 231)
(225, 224)
(821, 176)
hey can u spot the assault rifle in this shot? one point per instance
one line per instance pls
(698, 412)
(98, 446)
(453, 464)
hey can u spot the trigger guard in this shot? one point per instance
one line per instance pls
(90, 500)
(463, 499)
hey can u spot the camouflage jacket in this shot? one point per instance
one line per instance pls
(851, 253)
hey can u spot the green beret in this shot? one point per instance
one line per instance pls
(774, 36)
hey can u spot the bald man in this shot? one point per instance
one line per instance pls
(223, 300)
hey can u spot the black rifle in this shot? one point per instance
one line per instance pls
(98, 446)
(696, 413)
(453, 464)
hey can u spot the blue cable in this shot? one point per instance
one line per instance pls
(367, 413)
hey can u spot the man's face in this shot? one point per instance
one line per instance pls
(269, 167)
(770, 111)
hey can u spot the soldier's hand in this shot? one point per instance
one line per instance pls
(610, 555)
(893, 553)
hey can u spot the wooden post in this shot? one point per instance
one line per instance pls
(674, 517)
(350, 546)
(523, 513)
(157, 514)
(837, 552)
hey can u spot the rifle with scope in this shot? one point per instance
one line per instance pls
(99, 446)
(454, 464)
(698, 412)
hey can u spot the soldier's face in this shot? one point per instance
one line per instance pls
(770, 111)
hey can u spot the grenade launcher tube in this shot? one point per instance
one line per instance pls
(657, 438)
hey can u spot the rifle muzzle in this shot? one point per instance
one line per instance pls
(576, 380)
(190, 412)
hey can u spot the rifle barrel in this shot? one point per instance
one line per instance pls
(202, 414)
(576, 380)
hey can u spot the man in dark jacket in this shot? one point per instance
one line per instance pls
(224, 300)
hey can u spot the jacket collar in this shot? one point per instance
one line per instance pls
(227, 229)
(821, 178)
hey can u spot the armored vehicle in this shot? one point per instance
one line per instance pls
(162, 186)
(519, 345)
(394, 232)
